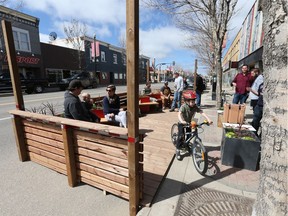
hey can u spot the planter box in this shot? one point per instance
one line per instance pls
(240, 153)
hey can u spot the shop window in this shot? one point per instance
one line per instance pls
(104, 75)
(116, 76)
(114, 58)
(21, 39)
(103, 56)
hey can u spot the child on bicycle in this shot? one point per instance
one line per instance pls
(186, 112)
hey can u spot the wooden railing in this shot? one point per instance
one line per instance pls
(89, 152)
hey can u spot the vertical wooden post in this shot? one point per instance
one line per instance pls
(195, 76)
(20, 138)
(12, 62)
(67, 132)
(148, 71)
(132, 41)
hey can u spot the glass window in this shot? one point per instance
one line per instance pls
(124, 59)
(120, 76)
(21, 39)
(115, 75)
(104, 75)
(103, 56)
(114, 58)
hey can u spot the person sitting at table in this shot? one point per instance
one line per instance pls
(87, 105)
(148, 91)
(165, 95)
(73, 108)
(111, 107)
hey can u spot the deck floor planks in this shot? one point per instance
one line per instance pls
(158, 151)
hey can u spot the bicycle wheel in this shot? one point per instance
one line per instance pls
(200, 158)
(174, 133)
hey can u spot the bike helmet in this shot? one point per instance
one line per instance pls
(189, 95)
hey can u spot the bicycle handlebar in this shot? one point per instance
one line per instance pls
(198, 125)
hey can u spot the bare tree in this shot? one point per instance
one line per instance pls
(208, 17)
(198, 43)
(272, 191)
(76, 32)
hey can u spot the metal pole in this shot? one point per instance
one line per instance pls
(95, 66)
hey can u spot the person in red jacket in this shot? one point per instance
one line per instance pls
(242, 82)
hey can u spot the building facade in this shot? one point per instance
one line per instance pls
(247, 47)
(230, 61)
(109, 66)
(27, 43)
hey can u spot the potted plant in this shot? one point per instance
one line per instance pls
(240, 147)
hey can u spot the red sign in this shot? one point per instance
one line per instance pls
(25, 60)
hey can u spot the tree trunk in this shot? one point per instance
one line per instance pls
(218, 69)
(272, 191)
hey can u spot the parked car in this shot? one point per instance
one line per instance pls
(86, 79)
(28, 85)
(190, 84)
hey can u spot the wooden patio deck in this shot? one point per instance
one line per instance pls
(158, 151)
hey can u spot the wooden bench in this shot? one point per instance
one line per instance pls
(145, 104)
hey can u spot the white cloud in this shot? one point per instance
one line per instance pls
(105, 12)
(162, 41)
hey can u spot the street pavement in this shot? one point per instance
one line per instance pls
(226, 190)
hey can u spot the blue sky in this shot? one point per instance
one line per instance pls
(159, 38)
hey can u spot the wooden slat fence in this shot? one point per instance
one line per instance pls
(89, 152)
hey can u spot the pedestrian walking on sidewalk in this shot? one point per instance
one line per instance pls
(200, 87)
(178, 84)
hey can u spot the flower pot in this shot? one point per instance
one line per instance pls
(239, 152)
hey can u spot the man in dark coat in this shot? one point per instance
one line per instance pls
(73, 108)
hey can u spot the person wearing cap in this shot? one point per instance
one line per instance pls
(111, 107)
(73, 108)
(178, 84)
(165, 95)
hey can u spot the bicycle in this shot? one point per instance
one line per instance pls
(195, 147)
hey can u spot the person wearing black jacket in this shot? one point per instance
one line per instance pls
(88, 105)
(200, 87)
(258, 110)
(73, 108)
(111, 107)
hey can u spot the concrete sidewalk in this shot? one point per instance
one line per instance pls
(234, 185)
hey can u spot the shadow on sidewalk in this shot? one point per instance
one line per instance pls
(171, 186)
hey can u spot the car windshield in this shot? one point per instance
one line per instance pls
(75, 76)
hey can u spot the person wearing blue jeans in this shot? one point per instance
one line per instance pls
(239, 98)
(176, 100)
(198, 99)
(178, 83)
